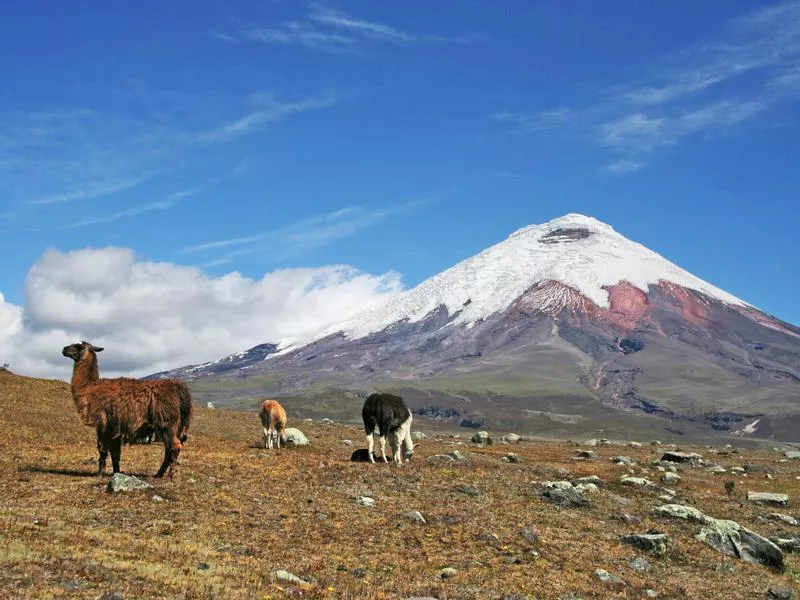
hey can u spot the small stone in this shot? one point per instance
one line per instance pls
(288, 577)
(120, 482)
(691, 458)
(768, 499)
(359, 572)
(736, 470)
(792, 454)
(626, 518)
(651, 593)
(111, 596)
(365, 501)
(418, 436)
(203, 566)
(640, 564)
(585, 488)
(780, 592)
(416, 517)
(716, 469)
(725, 568)
(655, 543)
(670, 478)
(441, 459)
(638, 481)
(585, 454)
(788, 519)
(347, 442)
(210, 405)
(457, 455)
(588, 479)
(634, 444)
(624, 460)
(511, 458)
(448, 572)
(469, 490)
(607, 577)
(295, 437)
(511, 438)
(157, 498)
(489, 537)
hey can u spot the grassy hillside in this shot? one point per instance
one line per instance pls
(236, 513)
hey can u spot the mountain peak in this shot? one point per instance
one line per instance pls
(579, 252)
(571, 221)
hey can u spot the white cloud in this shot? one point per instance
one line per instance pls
(624, 166)
(306, 234)
(92, 190)
(380, 31)
(688, 95)
(152, 316)
(272, 111)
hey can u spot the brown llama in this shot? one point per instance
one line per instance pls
(273, 418)
(125, 408)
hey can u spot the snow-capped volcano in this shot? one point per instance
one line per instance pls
(579, 252)
(562, 323)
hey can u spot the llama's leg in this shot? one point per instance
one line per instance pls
(382, 439)
(167, 437)
(278, 434)
(393, 439)
(175, 450)
(103, 452)
(116, 451)
(266, 438)
(370, 442)
(271, 436)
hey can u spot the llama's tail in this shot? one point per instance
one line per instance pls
(186, 412)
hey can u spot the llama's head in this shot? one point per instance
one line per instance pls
(79, 351)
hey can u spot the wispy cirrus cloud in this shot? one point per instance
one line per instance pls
(270, 111)
(696, 92)
(169, 202)
(92, 190)
(304, 235)
(328, 30)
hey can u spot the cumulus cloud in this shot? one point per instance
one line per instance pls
(152, 316)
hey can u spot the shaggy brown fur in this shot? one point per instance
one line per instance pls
(273, 418)
(124, 408)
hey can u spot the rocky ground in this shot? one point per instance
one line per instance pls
(499, 517)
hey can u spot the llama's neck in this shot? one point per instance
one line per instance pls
(85, 372)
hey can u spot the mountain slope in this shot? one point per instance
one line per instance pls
(567, 322)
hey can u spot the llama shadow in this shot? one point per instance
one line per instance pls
(71, 472)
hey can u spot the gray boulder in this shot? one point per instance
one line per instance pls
(654, 543)
(295, 437)
(768, 499)
(120, 482)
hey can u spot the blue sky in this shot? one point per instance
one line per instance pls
(397, 137)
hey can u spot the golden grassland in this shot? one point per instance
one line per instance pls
(235, 513)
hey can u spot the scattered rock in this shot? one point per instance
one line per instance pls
(590, 488)
(670, 478)
(788, 519)
(768, 499)
(481, 437)
(788, 545)
(448, 572)
(295, 437)
(679, 511)
(489, 537)
(365, 501)
(120, 482)
(736, 470)
(347, 442)
(626, 518)
(651, 593)
(624, 460)
(359, 572)
(416, 517)
(585, 454)
(792, 454)
(780, 592)
(607, 577)
(590, 443)
(441, 458)
(210, 405)
(457, 455)
(640, 564)
(111, 596)
(418, 436)
(511, 438)
(634, 444)
(157, 498)
(563, 495)
(756, 468)
(588, 479)
(469, 490)
(691, 458)
(638, 481)
(203, 566)
(655, 543)
(511, 458)
(288, 577)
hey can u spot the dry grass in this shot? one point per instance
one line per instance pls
(244, 513)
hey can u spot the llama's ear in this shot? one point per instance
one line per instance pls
(97, 349)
